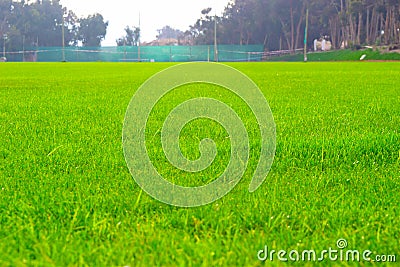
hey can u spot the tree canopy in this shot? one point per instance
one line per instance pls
(279, 24)
(40, 23)
(92, 30)
(131, 38)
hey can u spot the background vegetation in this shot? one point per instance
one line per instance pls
(277, 24)
(40, 23)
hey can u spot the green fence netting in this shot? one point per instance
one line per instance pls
(144, 53)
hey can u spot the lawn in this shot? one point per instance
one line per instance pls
(67, 197)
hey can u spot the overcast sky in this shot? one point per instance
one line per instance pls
(155, 14)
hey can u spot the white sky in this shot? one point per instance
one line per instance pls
(154, 14)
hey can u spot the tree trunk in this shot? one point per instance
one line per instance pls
(367, 28)
(387, 22)
(395, 27)
(334, 35)
(360, 22)
(265, 40)
(352, 29)
(374, 25)
(335, 26)
(291, 27)
(285, 34)
(298, 30)
(344, 24)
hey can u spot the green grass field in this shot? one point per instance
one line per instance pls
(67, 198)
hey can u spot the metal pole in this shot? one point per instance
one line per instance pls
(125, 49)
(37, 48)
(215, 39)
(23, 48)
(4, 45)
(305, 38)
(139, 39)
(63, 39)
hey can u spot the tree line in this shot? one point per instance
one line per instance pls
(24, 25)
(280, 24)
(277, 24)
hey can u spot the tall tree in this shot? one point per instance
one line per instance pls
(92, 30)
(279, 24)
(37, 23)
(167, 32)
(203, 29)
(131, 37)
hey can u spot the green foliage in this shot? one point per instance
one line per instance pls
(29, 24)
(279, 24)
(92, 30)
(67, 198)
(131, 38)
(168, 33)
